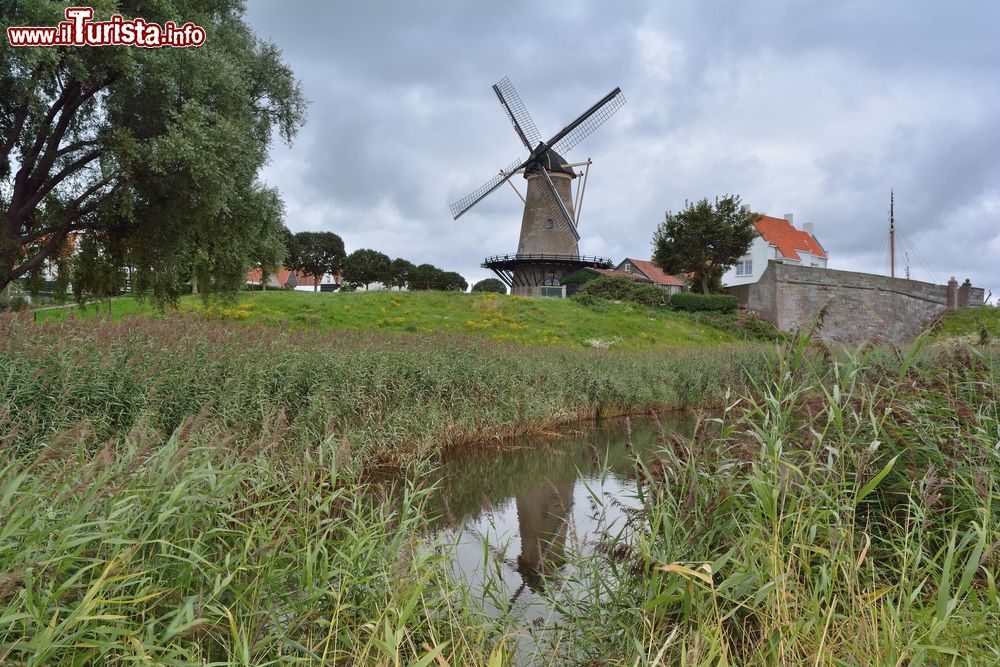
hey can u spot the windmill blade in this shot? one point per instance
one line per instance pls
(470, 200)
(552, 195)
(517, 113)
(589, 120)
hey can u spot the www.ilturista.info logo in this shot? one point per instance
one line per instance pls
(79, 30)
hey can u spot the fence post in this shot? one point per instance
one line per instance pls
(952, 294)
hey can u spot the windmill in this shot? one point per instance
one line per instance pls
(548, 248)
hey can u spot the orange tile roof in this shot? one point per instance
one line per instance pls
(654, 273)
(779, 232)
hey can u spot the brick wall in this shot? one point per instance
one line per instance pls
(859, 306)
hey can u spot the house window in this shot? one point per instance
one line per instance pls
(744, 267)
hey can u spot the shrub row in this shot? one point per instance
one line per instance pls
(719, 303)
(621, 289)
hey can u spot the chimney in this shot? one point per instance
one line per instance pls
(789, 217)
(809, 228)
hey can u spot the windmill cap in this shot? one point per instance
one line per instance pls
(553, 163)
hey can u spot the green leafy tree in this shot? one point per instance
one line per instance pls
(424, 277)
(316, 254)
(367, 266)
(704, 239)
(400, 271)
(274, 253)
(152, 153)
(490, 285)
(449, 281)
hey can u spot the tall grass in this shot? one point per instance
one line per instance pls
(844, 518)
(181, 492)
(185, 492)
(390, 396)
(183, 551)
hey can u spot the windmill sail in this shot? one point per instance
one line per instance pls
(589, 120)
(473, 198)
(559, 210)
(517, 113)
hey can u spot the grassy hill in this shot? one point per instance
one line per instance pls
(971, 323)
(497, 317)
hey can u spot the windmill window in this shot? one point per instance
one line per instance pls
(550, 224)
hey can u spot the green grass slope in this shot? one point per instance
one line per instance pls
(497, 317)
(970, 323)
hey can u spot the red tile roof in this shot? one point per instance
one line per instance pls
(779, 232)
(654, 273)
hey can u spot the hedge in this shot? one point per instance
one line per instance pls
(718, 303)
(606, 287)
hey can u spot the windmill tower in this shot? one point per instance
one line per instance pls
(548, 248)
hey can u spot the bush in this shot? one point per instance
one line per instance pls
(606, 287)
(580, 277)
(490, 285)
(651, 295)
(744, 324)
(623, 289)
(14, 304)
(691, 302)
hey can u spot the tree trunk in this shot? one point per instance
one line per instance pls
(704, 283)
(6, 266)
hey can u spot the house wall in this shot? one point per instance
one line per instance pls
(760, 252)
(860, 307)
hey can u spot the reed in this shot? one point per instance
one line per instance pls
(391, 396)
(838, 518)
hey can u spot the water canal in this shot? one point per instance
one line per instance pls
(524, 520)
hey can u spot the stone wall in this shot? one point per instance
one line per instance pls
(860, 307)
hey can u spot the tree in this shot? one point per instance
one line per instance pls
(152, 153)
(449, 281)
(490, 285)
(275, 255)
(367, 266)
(316, 254)
(400, 271)
(424, 277)
(704, 239)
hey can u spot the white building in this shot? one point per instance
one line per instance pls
(778, 240)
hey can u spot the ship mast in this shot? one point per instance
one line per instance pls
(892, 235)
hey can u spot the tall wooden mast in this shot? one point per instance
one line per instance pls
(892, 235)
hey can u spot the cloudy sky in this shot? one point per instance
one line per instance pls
(812, 108)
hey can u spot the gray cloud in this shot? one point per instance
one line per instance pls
(812, 108)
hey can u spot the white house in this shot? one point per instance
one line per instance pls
(778, 240)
